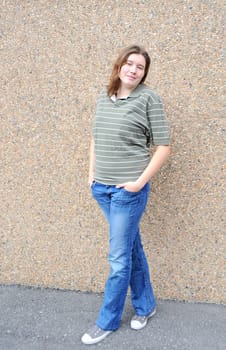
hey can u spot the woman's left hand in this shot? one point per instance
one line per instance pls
(131, 186)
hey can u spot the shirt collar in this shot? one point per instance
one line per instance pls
(135, 93)
(113, 98)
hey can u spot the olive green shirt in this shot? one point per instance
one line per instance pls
(123, 131)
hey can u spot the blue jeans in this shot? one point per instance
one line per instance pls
(128, 264)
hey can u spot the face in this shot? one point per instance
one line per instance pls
(132, 72)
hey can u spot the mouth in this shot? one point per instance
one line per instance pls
(131, 77)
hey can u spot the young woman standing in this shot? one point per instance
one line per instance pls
(129, 118)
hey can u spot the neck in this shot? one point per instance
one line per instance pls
(123, 92)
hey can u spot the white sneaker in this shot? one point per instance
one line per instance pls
(94, 335)
(139, 322)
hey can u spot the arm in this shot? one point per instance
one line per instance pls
(159, 157)
(91, 163)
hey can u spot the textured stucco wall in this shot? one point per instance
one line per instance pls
(55, 58)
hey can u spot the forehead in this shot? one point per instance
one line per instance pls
(137, 58)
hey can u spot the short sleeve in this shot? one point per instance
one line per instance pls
(159, 129)
(101, 97)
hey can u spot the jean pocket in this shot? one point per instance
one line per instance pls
(130, 192)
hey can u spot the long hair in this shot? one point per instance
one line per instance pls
(114, 81)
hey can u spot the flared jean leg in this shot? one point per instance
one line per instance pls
(142, 296)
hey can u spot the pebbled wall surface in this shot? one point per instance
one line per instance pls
(55, 58)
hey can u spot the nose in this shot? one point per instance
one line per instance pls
(133, 68)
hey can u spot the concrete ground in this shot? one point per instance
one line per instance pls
(48, 319)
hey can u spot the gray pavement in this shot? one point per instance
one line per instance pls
(49, 319)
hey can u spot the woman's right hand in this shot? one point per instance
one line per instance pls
(91, 163)
(90, 179)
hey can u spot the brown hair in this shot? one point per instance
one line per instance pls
(114, 82)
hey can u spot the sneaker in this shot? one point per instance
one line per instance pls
(94, 335)
(139, 322)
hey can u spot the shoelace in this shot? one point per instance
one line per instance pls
(140, 318)
(98, 331)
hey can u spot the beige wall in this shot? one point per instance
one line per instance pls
(55, 58)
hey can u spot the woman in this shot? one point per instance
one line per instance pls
(129, 118)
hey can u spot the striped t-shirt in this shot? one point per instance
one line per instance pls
(123, 131)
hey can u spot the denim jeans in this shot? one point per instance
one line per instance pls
(128, 264)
